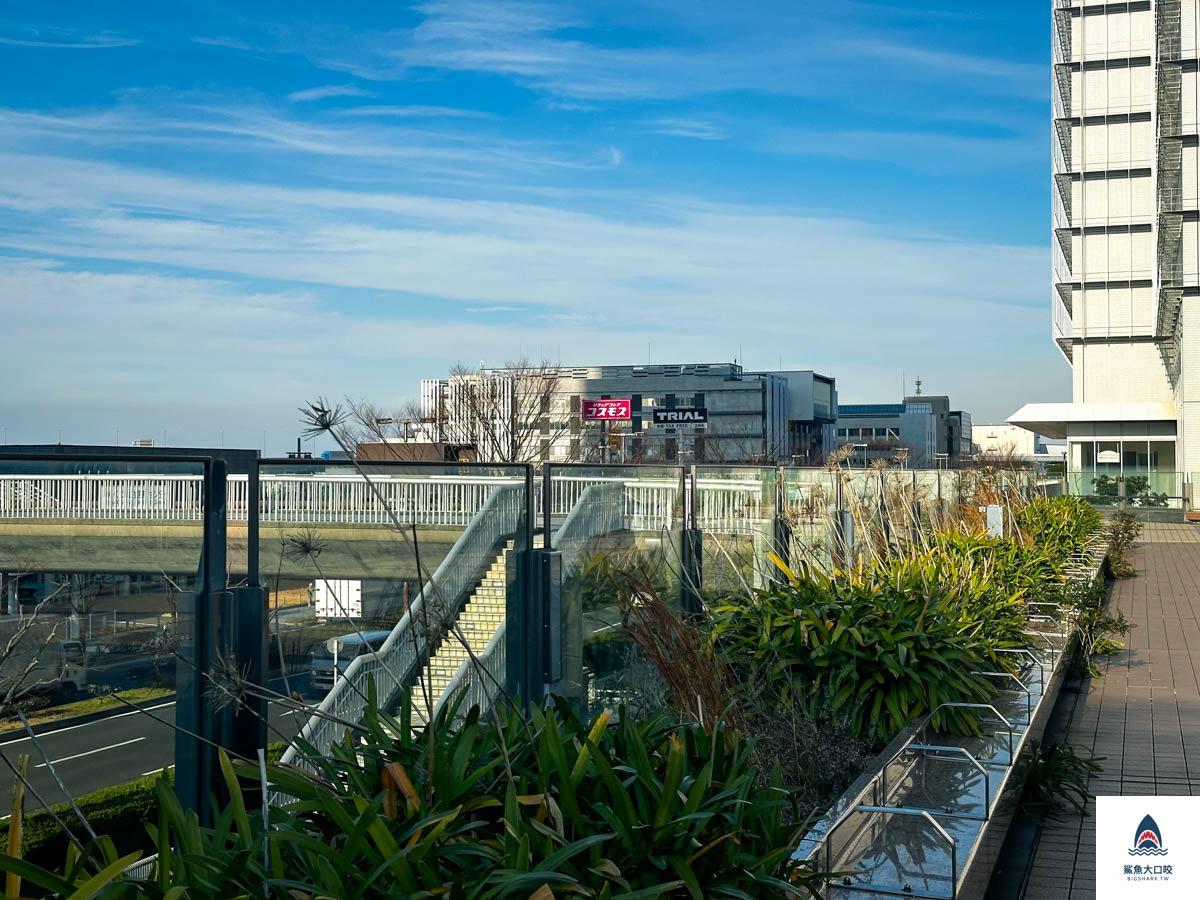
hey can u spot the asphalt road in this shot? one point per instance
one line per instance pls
(113, 750)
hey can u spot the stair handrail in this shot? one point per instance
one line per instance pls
(400, 650)
(600, 509)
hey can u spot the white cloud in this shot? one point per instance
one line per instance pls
(93, 42)
(795, 277)
(228, 128)
(416, 111)
(329, 90)
(689, 128)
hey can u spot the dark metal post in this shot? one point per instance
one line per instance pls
(195, 758)
(524, 611)
(783, 530)
(693, 570)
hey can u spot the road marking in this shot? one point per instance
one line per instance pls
(132, 712)
(155, 771)
(55, 762)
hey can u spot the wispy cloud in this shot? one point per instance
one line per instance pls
(94, 42)
(230, 129)
(688, 128)
(922, 150)
(1005, 75)
(227, 41)
(329, 90)
(402, 112)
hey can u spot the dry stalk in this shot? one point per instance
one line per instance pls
(699, 681)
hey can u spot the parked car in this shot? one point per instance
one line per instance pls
(349, 646)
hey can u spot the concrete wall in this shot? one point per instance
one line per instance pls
(174, 548)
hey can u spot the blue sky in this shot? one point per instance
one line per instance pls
(212, 211)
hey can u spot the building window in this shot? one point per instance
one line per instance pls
(841, 432)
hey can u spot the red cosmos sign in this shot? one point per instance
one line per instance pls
(606, 410)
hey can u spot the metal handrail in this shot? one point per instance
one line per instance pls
(401, 649)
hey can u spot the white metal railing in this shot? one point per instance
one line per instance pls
(597, 510)
(732, 507)
(649, 505)
(478, 683)
(450, 500)
(499, 517)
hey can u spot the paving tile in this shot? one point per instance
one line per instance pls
(1144, 714)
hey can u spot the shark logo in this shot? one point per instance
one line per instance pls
(1147, 839)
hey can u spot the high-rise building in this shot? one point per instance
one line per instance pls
(1126, 242)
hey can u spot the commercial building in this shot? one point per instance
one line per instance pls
(922, 431)
(551, 414)
(1126, 240)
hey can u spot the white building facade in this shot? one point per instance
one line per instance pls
(1126, 240)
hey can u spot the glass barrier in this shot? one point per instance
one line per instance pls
(1143, 488)
(609, 522)
(396, 572)
(734, 507)
(97, 558)
(809, 498)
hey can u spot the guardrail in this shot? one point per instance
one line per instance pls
(495, 521)
(450, 500)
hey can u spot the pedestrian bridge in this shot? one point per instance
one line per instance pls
(149, 524)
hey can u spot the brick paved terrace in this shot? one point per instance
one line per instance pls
(1143, 715)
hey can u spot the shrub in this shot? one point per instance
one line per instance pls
(1056, 774)
(120, 811)
(1059, 526)
(1124, 528)
(522, 808)
(874, 654)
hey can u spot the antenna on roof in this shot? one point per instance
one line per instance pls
(918, 387)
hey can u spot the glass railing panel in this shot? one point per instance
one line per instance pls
(734, 508)
(942, 781)
(612, 524)
(809, 506)
(902, 852)
(406, 565)
(97, 560)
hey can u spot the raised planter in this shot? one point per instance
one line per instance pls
(929, 817)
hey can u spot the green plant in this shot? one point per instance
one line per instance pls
(539, 807)
(1056, 775)
(1059, 526)
(1095, 630)
(1124, 528)
(119, 811)
(874, 651)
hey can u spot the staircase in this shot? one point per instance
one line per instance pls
(480, 617)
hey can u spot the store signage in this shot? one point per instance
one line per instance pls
(691, 415)
(607, 410)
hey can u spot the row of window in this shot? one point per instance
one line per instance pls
(868, 432)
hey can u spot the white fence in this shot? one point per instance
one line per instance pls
(450, 500)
